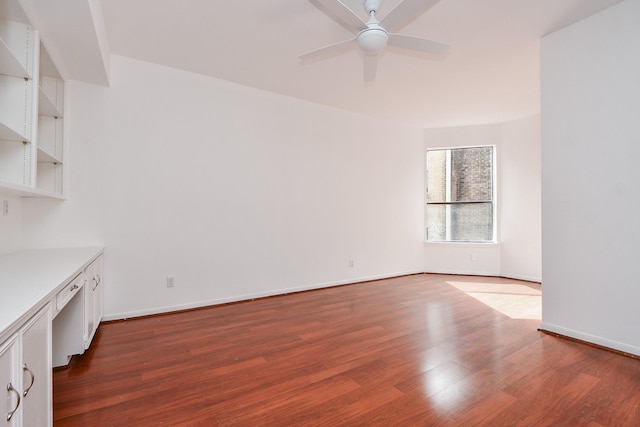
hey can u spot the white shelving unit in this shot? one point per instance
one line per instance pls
(18, 43)
(50, 155)
(31, 115)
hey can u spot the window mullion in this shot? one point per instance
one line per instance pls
(448, 179)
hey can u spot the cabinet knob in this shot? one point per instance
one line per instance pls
(11, 389)
(74, 287)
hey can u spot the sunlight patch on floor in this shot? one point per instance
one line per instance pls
(513, 300)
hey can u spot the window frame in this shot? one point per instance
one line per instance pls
(493, 201)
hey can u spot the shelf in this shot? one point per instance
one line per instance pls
(9, 64)
(8, 134)
(13, 57)
(50, 136)
(25, 191)
(49, 177)
(47, 67)
(16, 162)
(46, 157)
(47, 106)
(15, 108)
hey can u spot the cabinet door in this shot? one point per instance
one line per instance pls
(10, 411)
(36, 370)
(88, 306)
(93, 299)
(98, 292)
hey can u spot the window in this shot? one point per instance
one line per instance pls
(460, 195)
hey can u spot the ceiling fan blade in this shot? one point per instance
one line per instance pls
(417, 43)
(340, 13)
(370, 67)
(405, 12)
(327, 50)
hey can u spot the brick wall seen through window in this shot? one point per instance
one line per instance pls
(460, 194)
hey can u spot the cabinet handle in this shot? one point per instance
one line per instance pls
(11, 389)
(96, 279)
(33, 378)
(74, 287)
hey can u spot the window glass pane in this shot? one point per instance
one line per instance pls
(437, 176)
(465, 222)
(437, 222)
(471, 171)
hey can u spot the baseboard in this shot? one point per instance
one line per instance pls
(464, 273)
(488, 274)
(588, 338)
(524, 277)
(238, 298)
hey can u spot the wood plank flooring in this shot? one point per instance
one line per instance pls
(407, 351)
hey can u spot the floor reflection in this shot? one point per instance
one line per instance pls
(517, 301)
(442, 377)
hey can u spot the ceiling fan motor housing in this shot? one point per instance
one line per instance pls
(372, 40)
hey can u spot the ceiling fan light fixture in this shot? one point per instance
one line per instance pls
(372, 40)
(372, 36)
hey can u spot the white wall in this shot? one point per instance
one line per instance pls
(455, 258)
(10, 224)
(517, 251)
(519, 188)
(591, 178)
(235, 192)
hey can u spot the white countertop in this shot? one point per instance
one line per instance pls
(31, 278)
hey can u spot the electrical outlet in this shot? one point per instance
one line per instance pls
(5, 207)
(351, 263)
(171, 281)
(474, 257)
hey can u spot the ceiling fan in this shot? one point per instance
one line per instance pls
(372, 36)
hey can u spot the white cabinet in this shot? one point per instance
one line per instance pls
(36, 370)
(93, 292)
(42, 318)
(31, 114)
(9, 376)
(25, 373)
(79, 311)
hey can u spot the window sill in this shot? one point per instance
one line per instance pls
(463, 244)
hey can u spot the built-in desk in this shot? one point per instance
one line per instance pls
(49, 299)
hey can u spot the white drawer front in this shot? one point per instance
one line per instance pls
(65, 295)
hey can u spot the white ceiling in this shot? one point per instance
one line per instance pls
(491, 74)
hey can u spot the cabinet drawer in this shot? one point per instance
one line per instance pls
(65, 295)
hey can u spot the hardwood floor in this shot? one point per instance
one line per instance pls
(408, 351)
